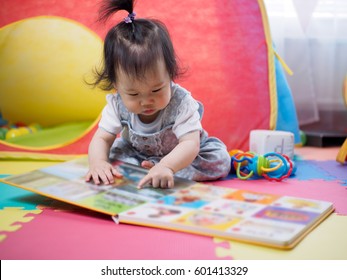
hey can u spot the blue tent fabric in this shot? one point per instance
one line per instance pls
(287, 119)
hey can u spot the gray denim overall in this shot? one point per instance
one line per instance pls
(212, 162)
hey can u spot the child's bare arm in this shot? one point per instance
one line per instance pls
(100, 170)
(161, 174)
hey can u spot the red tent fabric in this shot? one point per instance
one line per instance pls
(224, 45)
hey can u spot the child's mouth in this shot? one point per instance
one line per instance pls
(149, 111)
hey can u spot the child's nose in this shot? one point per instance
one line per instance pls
(147, 101)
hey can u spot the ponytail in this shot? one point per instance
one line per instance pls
(133, 45)
(110, 7)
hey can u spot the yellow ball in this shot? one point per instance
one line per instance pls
(44, 63)
(14, 132)
(23, 130)
(34, 127)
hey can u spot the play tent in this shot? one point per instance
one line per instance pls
(47, 51)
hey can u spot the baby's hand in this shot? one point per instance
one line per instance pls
(102, 172)
(159, 176)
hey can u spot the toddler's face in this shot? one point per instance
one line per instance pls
(146, 97)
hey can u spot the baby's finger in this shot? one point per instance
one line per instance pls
(147, 164)
(102, 177)
(88, 177)
(171, 183)
(163, 183)
(96, 179)
(156, 182)
(145, 180)
(109, 177)
(116, 173)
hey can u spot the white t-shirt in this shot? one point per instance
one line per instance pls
(187, 117)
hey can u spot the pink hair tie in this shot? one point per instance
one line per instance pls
(130, 17)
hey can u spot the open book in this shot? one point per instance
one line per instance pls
(266, 219)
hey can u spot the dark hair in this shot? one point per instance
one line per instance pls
(133, 47)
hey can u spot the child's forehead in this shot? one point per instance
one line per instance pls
(140, 84)
(153, 76)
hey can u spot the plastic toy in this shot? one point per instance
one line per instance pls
(18, 129)
(4, 127)
(342, 154)
(3, 131)
(272, 166)
(2, 120)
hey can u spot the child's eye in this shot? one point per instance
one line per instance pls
(156, 90)
(133, 94)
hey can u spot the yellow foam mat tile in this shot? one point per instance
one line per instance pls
(22, 166)
(326, 242)
(12, 218)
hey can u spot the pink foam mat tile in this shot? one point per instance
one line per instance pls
(84, 235)
(315, 153)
